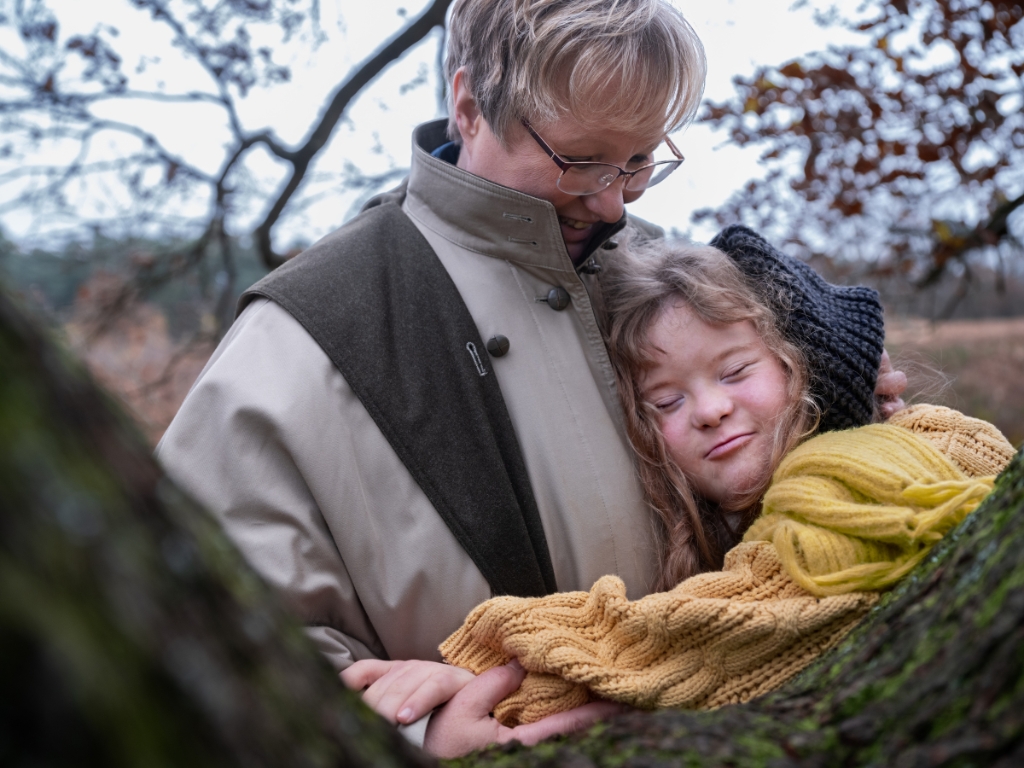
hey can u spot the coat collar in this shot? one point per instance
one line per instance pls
(484, 217)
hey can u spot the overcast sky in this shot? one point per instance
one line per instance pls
(737, 34)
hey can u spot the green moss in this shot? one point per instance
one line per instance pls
(1009, 701)
(758, 749)
(994, 602)
(952, 716)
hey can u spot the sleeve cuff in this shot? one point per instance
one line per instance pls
(416, 733)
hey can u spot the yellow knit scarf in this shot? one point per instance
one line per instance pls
(856, 510)
(848, 513)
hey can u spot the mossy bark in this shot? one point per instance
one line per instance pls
(131, 632)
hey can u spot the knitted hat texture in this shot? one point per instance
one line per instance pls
(839, 328)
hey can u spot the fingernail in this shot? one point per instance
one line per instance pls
(515, 664)
(405, 715)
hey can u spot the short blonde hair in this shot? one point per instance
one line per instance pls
(635, 65)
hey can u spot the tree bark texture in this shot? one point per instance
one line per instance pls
(131, 631)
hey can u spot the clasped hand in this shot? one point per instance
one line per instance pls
(404, 691)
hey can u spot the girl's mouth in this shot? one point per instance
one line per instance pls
(729, 445)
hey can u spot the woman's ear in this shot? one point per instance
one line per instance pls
(467, 113)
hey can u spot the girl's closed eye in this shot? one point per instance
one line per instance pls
(666, 404)
(738, 371)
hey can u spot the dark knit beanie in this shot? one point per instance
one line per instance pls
(838, 328)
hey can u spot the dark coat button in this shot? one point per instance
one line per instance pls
(497, 346)
(558, 299)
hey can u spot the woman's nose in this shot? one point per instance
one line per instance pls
(608, 203)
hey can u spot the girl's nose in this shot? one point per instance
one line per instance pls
(710, 408)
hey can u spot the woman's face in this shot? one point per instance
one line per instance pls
(719, 394)
(525, 167)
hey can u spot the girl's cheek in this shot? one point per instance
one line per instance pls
(673, 429)
(775, 396)
(767, 396)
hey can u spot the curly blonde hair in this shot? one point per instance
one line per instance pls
(638, 286)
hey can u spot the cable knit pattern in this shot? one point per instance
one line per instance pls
(975, 446)
(717, 638)
(726, 637)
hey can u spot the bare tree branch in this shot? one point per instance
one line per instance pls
(886, 147)
(988, 233)
(415, 31)
(58, 93)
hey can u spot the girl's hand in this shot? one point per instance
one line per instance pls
(404, 691)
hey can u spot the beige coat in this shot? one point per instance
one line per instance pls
(272, 440)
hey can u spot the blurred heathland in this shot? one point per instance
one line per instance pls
(145, 344)
(148, 349)
(982, 359)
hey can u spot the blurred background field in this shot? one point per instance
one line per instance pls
(975, 366)
(983, 361)
(144, 343)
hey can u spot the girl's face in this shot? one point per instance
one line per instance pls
(720, 394)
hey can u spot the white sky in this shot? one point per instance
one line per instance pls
(737, 34)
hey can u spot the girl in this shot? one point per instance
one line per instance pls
(726, 363)
(713, 395)
(727, 360)
(695, 334)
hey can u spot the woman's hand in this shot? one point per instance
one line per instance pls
(404, 691)
(890, 387)
(464, 723)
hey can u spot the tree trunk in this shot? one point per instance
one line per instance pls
(132, 633)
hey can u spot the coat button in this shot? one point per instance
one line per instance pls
(558, 299)
(497, 346)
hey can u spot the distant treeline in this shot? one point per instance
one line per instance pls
(54, 279)
(154, 272)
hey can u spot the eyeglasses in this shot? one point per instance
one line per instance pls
(587, 178)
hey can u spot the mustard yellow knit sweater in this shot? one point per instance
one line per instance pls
(848, 513)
